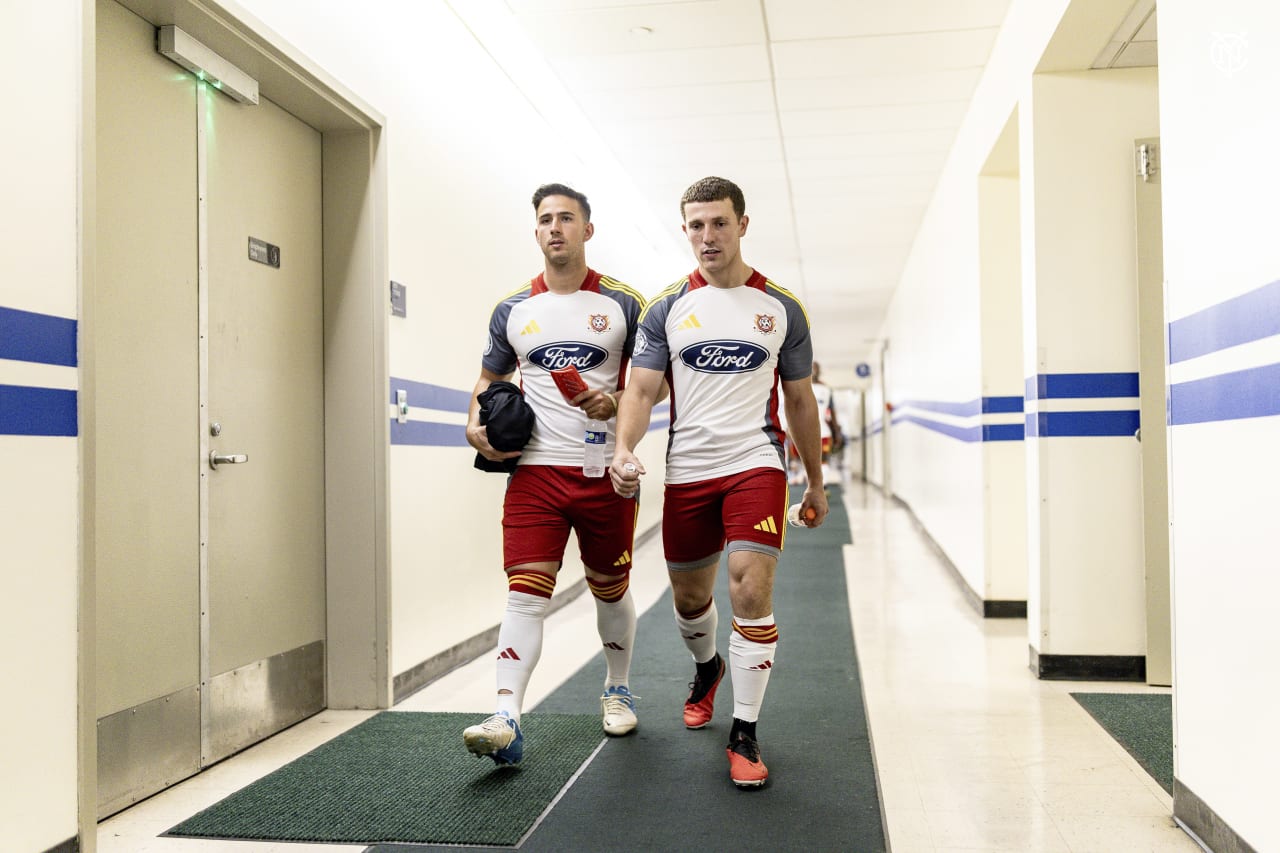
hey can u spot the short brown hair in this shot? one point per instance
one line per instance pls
(714, 189)
(561, 189)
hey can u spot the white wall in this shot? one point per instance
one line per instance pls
(468, 141)
(1076, 137)
(1004, 491)
(1219, 244)
(936, 360)
(935, 320)
(39, 492)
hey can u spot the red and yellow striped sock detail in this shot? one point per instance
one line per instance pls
(532, 583)
(757, 633)
(611, 590)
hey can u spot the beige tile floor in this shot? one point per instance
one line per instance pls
(973, 753)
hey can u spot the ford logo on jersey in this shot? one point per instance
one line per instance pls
(724, 356)
(580, 355)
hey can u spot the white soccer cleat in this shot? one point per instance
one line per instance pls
(618, 711)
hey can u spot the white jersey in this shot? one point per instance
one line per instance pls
(538, 330)
(723, 351)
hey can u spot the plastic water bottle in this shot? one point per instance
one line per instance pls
(593, 449)
(797, 519)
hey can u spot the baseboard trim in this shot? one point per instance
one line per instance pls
(71, 845)
(1088, 667)
(987, 608)
(1203, 823)
(420, 675)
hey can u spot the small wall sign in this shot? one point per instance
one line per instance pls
(397, 299)
(264, 253)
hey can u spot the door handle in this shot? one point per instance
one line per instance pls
(216, 458)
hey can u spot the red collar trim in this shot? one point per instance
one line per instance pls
(756, 280)
(591, 283)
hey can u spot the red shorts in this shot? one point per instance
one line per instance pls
(699, 518)
(544, 501)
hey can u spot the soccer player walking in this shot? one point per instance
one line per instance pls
(727, 335)
(568, 315)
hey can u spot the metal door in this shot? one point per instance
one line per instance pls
(265, 523)
(209, 582)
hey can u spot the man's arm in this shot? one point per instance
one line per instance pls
(806, 433)
(478, 436)
(634, 411)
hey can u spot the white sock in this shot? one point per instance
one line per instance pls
(519, 647)
(752, 647)
(616, 622)
(699, 632)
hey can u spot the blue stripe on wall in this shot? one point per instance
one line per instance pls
(964, 433)
(945, 407)
(1248, 317)
(1003, 432)
(425, 396)
(1051, 424)
(977, 432)
(1001, 405)
(37, 411)
(429, 434)
(26, 336)
(969, 408)
(1252, 393)
(1062, 386)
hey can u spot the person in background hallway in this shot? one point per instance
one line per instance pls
(830, 425)
(568, 314)
(726, 334)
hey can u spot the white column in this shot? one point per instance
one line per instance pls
(1080, 360)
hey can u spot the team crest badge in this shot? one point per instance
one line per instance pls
(766, 324)
(599, 323)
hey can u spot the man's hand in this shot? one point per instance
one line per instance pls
(625, 473)
(815, 499)
(478, 437)
(599, 405)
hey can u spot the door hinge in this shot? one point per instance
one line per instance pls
(1148, 156)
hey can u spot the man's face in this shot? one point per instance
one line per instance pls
(562, 230)
(714, 232)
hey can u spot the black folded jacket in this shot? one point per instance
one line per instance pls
(508, 420)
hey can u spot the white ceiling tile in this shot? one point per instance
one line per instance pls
(878, 55)
(870, 144)
(646, 154)
(671, 101)
(695, 131)
(612, 29)
(624, 71)
(865, 90)
(883, 164)
(863, 98)
(791, 20)
(530, 7)
(896, 118)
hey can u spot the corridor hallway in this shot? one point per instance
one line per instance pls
(972, 752)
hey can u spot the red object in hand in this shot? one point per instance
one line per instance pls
(569, 381)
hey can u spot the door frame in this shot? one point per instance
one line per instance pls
(1153, 386)
(356, 370)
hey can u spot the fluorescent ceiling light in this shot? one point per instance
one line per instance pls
(207, 65)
